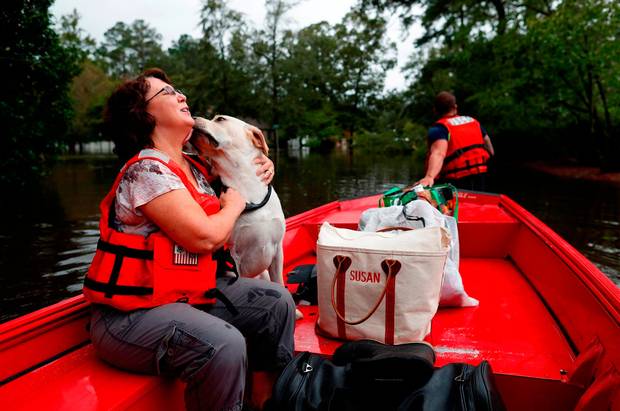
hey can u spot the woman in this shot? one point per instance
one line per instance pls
(153, 279)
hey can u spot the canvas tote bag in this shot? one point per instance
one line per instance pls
(379, 285)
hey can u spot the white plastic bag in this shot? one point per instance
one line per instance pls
(419, 214)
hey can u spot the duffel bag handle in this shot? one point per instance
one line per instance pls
(342, 263)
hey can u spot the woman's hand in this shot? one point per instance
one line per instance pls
(265, 168)
(233, 200)
(182, 219)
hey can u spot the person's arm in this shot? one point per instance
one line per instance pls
(266, 168)
(180, 217)
(488, 145)
(439, 148)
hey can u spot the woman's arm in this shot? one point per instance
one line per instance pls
(180, 217)
(266, 169)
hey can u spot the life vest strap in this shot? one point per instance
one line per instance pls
(468, 167)
(225, 262)
(457, 153)
(121, 250)
(217, 293)
(115, 289)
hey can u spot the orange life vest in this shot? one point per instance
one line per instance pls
(466, 153)
(131, 271)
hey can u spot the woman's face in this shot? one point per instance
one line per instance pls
(167, 106)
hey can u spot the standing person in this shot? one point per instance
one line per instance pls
(154, 276)
(459, 148)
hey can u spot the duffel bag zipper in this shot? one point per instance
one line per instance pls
(305, 369)
(461, 379)
(481, 384)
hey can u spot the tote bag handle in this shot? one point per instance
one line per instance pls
(390, 267)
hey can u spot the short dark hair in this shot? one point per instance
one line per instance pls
(444, 102)
(125, 119)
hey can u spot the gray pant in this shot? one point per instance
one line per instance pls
(205, 347)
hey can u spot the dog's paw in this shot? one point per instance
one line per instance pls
(298, 314)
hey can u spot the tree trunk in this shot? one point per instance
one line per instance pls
(610, 161)
(501, 16)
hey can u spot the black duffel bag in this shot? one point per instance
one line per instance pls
(368, 375)
(308, 383)
(364, 375)
(457, 387)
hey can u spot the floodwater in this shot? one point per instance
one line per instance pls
(47, 238)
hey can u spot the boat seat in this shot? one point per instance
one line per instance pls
(485, 231)
(81, 381)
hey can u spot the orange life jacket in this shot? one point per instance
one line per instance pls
(466, 153)
(131, 271)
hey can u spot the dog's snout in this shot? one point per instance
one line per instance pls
(204, 134)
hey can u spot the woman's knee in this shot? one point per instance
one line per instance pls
(285, 306)
(233, 346)
(228, 354)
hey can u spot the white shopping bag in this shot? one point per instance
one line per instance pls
(419, 213)
(382, 286)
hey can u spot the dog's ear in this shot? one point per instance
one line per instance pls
(258, 139)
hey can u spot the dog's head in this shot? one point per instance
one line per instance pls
(224, 134)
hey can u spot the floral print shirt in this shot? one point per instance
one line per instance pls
(142, 182)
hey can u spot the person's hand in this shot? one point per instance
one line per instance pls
(232, 199)
(265, 168)
(427, 181)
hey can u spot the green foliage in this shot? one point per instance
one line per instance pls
(320, 123)
(129, 49)
(74, 39)
(363, 57)
(34, 103)
(542, 76)
(89, 92)
(385, 141)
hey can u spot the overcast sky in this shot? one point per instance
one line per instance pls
(172, 18)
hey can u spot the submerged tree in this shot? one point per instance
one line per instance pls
(34, 103)
(270, 49)
(89, 89)
(576, 56)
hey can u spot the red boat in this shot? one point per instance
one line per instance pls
(548, 322)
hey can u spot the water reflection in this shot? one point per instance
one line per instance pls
(47, 243)
(51, 235)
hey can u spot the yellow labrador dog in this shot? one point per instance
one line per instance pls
(256, 241)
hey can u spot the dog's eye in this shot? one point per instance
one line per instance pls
(218, 119)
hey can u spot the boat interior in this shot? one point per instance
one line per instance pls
(547, 322)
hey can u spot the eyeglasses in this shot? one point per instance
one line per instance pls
(167, 90)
